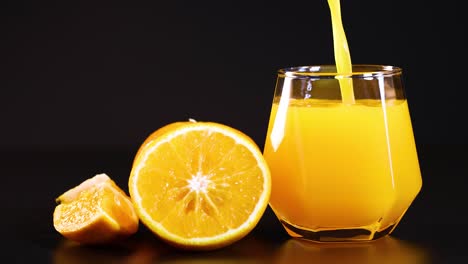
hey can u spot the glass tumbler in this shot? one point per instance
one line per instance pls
(342, 170)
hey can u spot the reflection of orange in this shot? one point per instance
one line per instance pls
(386, 250)
(131, 251)
(199, 185)
(248, 250)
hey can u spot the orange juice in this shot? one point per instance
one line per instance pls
(341, 50)
(336, 165)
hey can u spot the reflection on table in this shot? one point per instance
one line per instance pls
(252, 249)
(385, 250)
(151, 250)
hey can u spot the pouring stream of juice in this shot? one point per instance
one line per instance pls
(342, 56)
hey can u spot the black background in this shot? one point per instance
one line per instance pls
(83, 83)
(107, 74)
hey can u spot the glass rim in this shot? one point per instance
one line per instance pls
(329, 71)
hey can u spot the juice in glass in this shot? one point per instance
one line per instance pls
(341, 171)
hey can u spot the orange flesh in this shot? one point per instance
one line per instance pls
(95, 213)
(189, 185)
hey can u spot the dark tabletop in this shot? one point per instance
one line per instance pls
(432, 231)
(81, 83)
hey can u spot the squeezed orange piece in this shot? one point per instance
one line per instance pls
(96, 211)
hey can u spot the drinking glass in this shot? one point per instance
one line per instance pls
(342, 170)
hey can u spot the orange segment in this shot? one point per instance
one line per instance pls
(199, 185)
(96, 211)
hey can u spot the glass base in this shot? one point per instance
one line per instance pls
(358, 234)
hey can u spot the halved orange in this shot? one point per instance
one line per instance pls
(199, 185)
(96, 211)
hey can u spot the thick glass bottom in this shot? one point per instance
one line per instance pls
(358, 234)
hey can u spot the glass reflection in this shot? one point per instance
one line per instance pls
(387, 250)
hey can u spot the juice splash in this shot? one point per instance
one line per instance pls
(342, 55)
